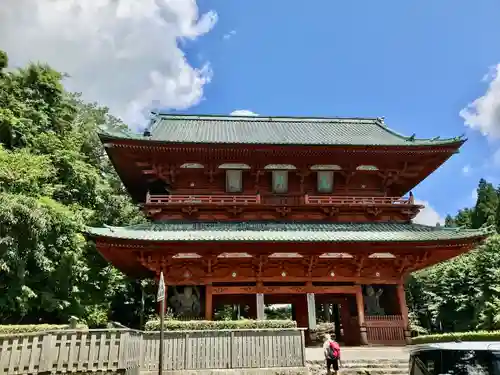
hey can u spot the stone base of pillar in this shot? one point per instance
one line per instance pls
(363, 335)
(407, 334)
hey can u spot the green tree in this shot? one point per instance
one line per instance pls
(486, 205)
(54, 180)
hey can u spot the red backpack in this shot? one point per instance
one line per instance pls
(334, 350)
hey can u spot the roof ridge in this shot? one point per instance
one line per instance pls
(269, 119)
(223, 117)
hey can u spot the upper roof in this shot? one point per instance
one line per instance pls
(211, 129)
(284, 232)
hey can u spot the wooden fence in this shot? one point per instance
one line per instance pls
(123, 351)
(387, 329)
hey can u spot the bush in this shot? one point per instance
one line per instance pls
(27, 328)
(198, 325)
(458, 336)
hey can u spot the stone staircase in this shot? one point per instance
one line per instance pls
(363, 367)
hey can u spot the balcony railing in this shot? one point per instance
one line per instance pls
(347, 200)
(291, 200)
(204, 199)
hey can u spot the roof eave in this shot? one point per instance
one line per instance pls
(134, 142)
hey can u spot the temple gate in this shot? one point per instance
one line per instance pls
(249, 211)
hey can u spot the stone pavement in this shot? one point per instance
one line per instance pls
(362, 353)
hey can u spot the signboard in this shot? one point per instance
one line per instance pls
(161, 289)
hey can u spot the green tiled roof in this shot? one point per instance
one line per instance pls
(284, 232)
(274, 130)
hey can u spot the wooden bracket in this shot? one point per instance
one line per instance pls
(211, 172)
(235, 211)
(283, 211)
(359, 262)
(190, 210)
(330, 211)
(374, 211)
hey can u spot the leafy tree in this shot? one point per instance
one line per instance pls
(486, 205)
(462, 293)
(54, 180)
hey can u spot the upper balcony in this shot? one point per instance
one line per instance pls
(277, 207)
(273, 199)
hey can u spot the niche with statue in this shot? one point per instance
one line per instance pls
(380, 300)
(185, 302)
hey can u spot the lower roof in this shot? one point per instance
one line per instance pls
(284, 232)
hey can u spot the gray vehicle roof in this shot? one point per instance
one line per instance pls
(462, 345)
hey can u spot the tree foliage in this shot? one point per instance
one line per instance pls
(54, 180)
(462, 294)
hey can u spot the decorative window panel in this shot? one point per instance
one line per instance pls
(280, 181)
(325, 181)
(234, 181)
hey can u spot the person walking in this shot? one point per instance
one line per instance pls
(331, 349)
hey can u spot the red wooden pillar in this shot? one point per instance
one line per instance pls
(208, 302)
(403, 308)
(361, 316)
(301, 312)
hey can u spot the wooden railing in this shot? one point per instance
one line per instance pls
(129, 352)
(272, 199)
(283, 200)
(388, 329)
(384, 330)
(204, 199)
(347, 200)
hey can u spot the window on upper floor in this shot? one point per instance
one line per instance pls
(280, 182)
(325, 181)
(234, 181)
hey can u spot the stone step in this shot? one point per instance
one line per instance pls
(374, 367)
(360, 371)
(377, 368)
(363, 367)
(369, 371)
(366, 363)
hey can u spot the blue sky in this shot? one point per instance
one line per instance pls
(418, 63)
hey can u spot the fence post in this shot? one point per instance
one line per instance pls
(187, 351)
(303, 347)
(141, 351)
(123, 350)
(232, 361)
(46, 356)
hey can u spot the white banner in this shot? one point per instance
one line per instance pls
(160, 296)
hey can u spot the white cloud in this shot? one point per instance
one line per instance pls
(483, 114)
(229, 35)
(243, 112)
(466, 170)
(428, 215)
(122, 53)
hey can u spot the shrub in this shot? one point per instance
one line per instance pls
(27, 328)
(198, 325)
(458, 336)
